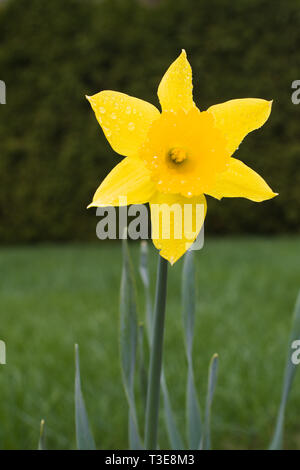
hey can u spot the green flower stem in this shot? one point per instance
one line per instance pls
(157, 337)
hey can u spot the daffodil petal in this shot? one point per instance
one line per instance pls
(175, 90)
(125, 120)
(241, 181)
(176, 221)
(128, 183)
(236, 118)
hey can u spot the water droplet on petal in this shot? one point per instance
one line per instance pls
(106, 131)
(131, 126)
(128, 110)
(102, 110)
(113, 116)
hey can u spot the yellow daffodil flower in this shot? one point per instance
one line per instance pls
(175, 157)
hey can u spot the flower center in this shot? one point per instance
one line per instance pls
(184, 152)
(177, 155)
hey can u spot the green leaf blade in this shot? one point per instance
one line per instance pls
(144, 274)
(172, 429)
(84, 437)
(173, 433)
(128, 343)
(41, 444)
(289, 374)
(212, 380)
(142, 367)
(193, 413)
(188, 300)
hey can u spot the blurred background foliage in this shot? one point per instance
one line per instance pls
(53, 153)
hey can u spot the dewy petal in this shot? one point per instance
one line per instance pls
(128, 183)
(241, 181)
(175, 90)
(236, 118)
(125, 120)
(176, 221)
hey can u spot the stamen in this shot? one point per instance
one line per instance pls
(177, 155)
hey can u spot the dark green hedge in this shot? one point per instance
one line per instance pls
(53, 153)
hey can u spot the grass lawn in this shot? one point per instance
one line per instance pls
(54, 296)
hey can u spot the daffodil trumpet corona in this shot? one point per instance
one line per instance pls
(175, 157)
